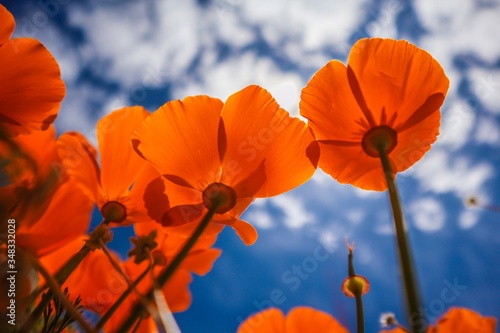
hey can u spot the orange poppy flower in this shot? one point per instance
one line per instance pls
(389, 93)
(115, 186)
(100, 285)
(31, 89)
(244, 149)
(458, 320)
(462, 320)
(51, 210)
(299, 320)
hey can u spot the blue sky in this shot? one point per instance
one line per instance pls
(114, 53)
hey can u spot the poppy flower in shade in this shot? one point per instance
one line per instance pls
(31, 88)
(458, 320)
(114, 186)
(199, 260)
(389, 94)
(299, 319)
(100, 286)
(96, 282)
(51, 209)
(231, 153)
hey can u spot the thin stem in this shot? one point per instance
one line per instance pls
(169, 271)
(360, 316)
(415, 316)
(114, 262)
(61, 277)
(55, 287)
(104, 319)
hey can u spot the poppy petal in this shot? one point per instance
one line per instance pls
(7, 24)
(349, 164)
(79, 160)
(462, 320)
(31, 88)
(414, 142)
(398, 330)
(270, 320)
(329, 104)
(244, 230)
(32, 155)
(201, 261)
(395, 75)
(176, 291)
(120, 164)
(256, 129)
(140, 210)
(304, 319)
(67, 216)
(180, 139)
(185, 229)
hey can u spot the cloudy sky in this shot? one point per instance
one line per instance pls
(114, 53)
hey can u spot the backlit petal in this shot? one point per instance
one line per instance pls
(67, 216)
(180, 140)
(261, 135)
(328, 102)
(414, 142)
(176, 291)
(305, 319)
(31, 155)
(201, 261)
(120, 164)
(245, 231)
(7, 24)
(270, 320)
(462, 320)
(79, 160)
(31, 88)
(395, 75)
(349, 164)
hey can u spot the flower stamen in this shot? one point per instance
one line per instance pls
(380, 137)
(221, 195)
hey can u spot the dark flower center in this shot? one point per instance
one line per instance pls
(113, 211)
(221, 195)
(380, 138)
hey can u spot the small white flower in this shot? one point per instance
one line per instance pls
(388, 319)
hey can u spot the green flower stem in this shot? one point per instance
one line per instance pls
(55, 287)
(358, 294)
(360, 316)
(415, 316)
(169, 271)
(61, 277)
(104, 319)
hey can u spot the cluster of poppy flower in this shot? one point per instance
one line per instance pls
(183, 172)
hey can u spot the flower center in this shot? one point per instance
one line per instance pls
(379, 138)
(221, 195)
(113, 211)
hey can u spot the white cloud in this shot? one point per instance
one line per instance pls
(428, 214)
(485, 84)
(468, 218)
(260, 218)
(312, 24)
(296, 215)
(221, 79)
(440, 172)
(457, 123)
(355, 216)
(466, 28)
(487, 131)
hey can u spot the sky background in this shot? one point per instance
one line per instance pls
(114, 53)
